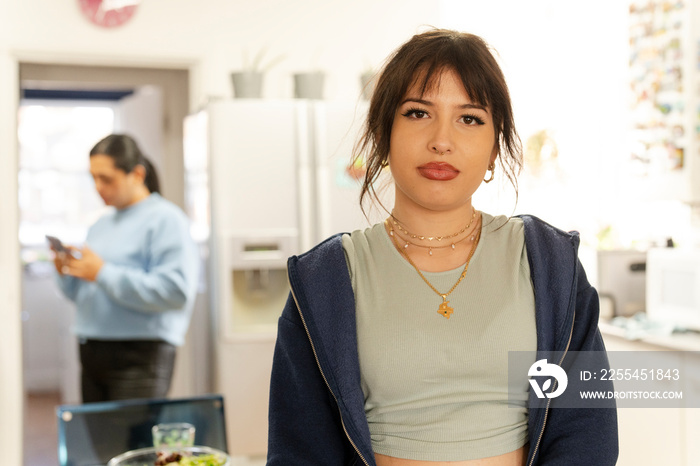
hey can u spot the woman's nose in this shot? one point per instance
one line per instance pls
(441, 139)
(98, 186)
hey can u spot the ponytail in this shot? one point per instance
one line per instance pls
(151, 180)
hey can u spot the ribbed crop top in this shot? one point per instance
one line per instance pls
(437, 389)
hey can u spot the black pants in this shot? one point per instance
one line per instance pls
(122, 370)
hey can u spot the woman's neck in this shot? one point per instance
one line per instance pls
(140, 194)
(429, 223)
(454, 235)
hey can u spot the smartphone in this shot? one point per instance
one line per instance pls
(56, 244)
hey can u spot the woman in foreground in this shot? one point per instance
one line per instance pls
(393, 347)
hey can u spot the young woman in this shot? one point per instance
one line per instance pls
(134, 282)
(393, 347)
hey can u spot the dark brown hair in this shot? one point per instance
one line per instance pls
(424, 57)
(126, 155)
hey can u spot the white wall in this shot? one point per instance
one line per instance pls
(339, 37)
(566, 67)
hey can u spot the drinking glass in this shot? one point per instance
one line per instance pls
(173, 435)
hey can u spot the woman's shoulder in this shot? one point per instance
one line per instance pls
(534, 225)
(161, 204)
(160, 211)
(363, 237)
(527, 223)
(501, 224)
(547, 244)
(345, 245)
(538, 236)
(367, 241)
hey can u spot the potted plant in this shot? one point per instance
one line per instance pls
(309, 84)
(247, 83)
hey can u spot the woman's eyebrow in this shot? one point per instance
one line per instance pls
(479, 107)
(429, 103)
(418, 101)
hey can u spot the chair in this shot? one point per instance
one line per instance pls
(93, 433)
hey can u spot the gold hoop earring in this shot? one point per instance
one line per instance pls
(492, 168)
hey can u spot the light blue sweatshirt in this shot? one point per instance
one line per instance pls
(147, 285)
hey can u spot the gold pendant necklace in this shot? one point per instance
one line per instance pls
(444, 310)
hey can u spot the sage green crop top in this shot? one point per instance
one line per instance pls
(436, 389)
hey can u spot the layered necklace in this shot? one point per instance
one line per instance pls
(430, 247)
(444, 309)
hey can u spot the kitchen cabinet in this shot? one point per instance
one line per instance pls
(691, 416)
(665, 436)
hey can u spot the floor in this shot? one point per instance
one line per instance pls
(41, 429)
(41, 432)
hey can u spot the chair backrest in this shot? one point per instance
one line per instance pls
(92, 433)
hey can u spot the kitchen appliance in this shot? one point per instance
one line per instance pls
(673, 286)
(265, 180)
(621, 280)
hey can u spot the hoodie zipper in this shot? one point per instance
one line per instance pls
(549, 400)
(313, 348)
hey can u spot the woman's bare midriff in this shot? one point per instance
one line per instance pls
(514, 458)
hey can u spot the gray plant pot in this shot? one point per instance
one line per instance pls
(247, 84)
(309, 85)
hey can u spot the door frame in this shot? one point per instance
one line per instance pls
(174, 83)
(12, 398)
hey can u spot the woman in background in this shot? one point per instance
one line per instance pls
(133, 283)
(393, 346)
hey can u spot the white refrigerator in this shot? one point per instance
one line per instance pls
(265, 180)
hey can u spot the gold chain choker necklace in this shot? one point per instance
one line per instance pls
(429, 247)
(445, 310)
(431, 238)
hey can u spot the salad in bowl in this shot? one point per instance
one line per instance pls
(185, 456)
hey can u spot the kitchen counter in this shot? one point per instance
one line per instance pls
(680, 341)
(675, 429)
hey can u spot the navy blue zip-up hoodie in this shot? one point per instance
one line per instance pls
(316, 414)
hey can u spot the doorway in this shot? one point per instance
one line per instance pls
(148, 103)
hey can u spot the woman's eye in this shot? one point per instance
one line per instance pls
(472, 120)
(415, 113)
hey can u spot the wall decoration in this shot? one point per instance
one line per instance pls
(108, 13)
(658, 112)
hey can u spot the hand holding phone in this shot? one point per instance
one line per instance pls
(62, 254)
(62, 251)
(57, 244)
(84, 264)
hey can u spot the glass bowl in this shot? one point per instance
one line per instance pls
(148, 456)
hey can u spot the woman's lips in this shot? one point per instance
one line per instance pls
(438, 171)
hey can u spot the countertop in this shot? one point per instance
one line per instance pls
(680, 341)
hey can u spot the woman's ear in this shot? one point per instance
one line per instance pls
(494, 154)
(139, 172)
